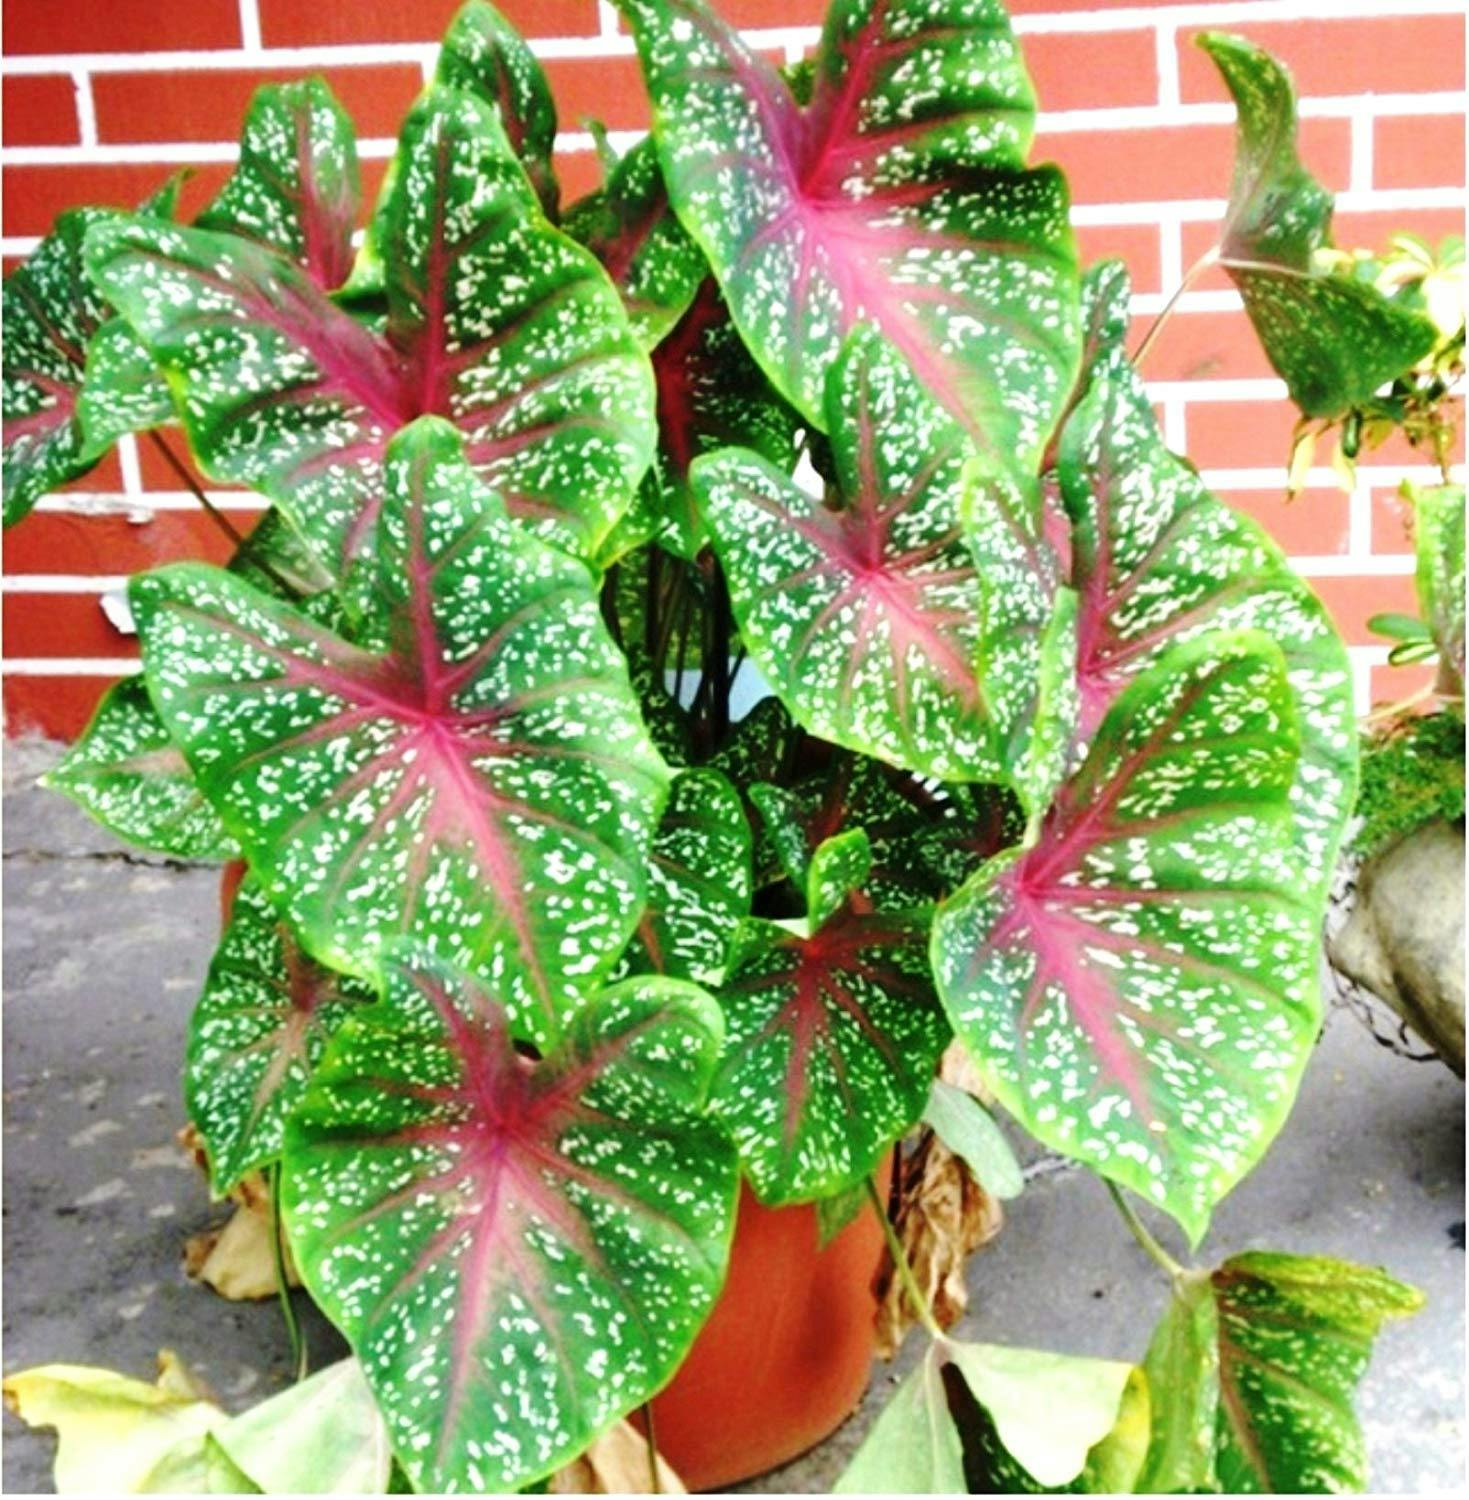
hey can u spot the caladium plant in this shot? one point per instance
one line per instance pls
(708, 654)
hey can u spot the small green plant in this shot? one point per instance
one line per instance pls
(546, 941)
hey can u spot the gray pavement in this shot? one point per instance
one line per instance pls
(104, 953)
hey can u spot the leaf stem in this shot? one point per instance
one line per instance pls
(900, 1263)
(1201, 265)
(1156, 1253)
(650, 1440)
(282, 1283)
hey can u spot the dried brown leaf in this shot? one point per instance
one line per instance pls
(616, 1464)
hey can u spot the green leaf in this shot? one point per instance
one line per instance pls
(870, 614)
(484, 55)
(968, 1129)
(833, 1035)
(1334, 340)
(833, 1214)
(256, 1034)
(494, 320)
(884, 200)
(470, 768)
(629, 225)
(1438, 535)
(520, 1253)
(1182, 1370)
(760, 747)
(321, 1437)
(129, 775)
(1396, 627)
(121, 389)
(698, 881)
(1156, 559)
(913, 1447)
(1138, 985)
(296, 189)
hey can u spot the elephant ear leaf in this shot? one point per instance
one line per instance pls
(1153, 936)
(1334, 340)
(126, 771)
(256, 1035)
(833, 1034)
(907, 207)
(1438, 537)
(478, 740)
(483, 54)
(1156, 559)
(519, 1252)
(297, 189)
(871, 613)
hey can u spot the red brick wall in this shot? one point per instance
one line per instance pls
(101, 99)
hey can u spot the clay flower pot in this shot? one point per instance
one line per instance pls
(787, 1352)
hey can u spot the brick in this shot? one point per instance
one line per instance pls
(1387, 54)
(62, 625)
(1391, 522)
(1415, 151)
(1353, 601)
(1240, 434)
(57, 542)
(609, 89)
(57, 707)
(40, 111)
(104, 479)
(1135, 244)
(1203, 346)
(38, 26)
(158, 476)
(1365, 229)
(33, 196)
(579, 173)
(210, 105)
(1078, 70)
(1397, 684)
(297, 23)
(771, 13)
(1180, 161)
(1316, 523)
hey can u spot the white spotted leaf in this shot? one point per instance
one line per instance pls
(519, 1252)
(833, 1033)
(470, 768)
(1156, 559)
(1137, 985)
(908, 616)
(495, 321)
(127, 772)
(898, 195)
(257, 1032)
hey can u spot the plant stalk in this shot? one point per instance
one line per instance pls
(900, 1263)
(1201, 265)
(650, 1440)
(1155, 1252)
(282, 1282)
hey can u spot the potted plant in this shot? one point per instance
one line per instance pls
(556, 972)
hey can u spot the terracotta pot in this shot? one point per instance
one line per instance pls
(787, 1352)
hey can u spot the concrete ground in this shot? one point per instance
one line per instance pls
(105, 951)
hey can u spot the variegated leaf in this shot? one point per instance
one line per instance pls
(833, 1034)
(872, 614)
(1335, 340)
(698, 881)
(127, 772)
(1156, 559)
(1138, 985)
(519, 1252)
(495, 320)
(1438, 540)
(471, 768)
(898, 196)
(256, 1035)
(297, 189)
(121, 389)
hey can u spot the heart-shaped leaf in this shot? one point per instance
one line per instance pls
(471, 768)
(495, 320)
(968, 1129)
(129, 775)
(1335, 340)
(1438, 539)
(1253, 1369)
(1156, 559)
(520, 1252)
(256, 1034)
(483, 54)
(833, 1035)
(630, 226)
(902, 203)
(1138, 986)
(296, 189)
(867, 613)
(698, 881)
